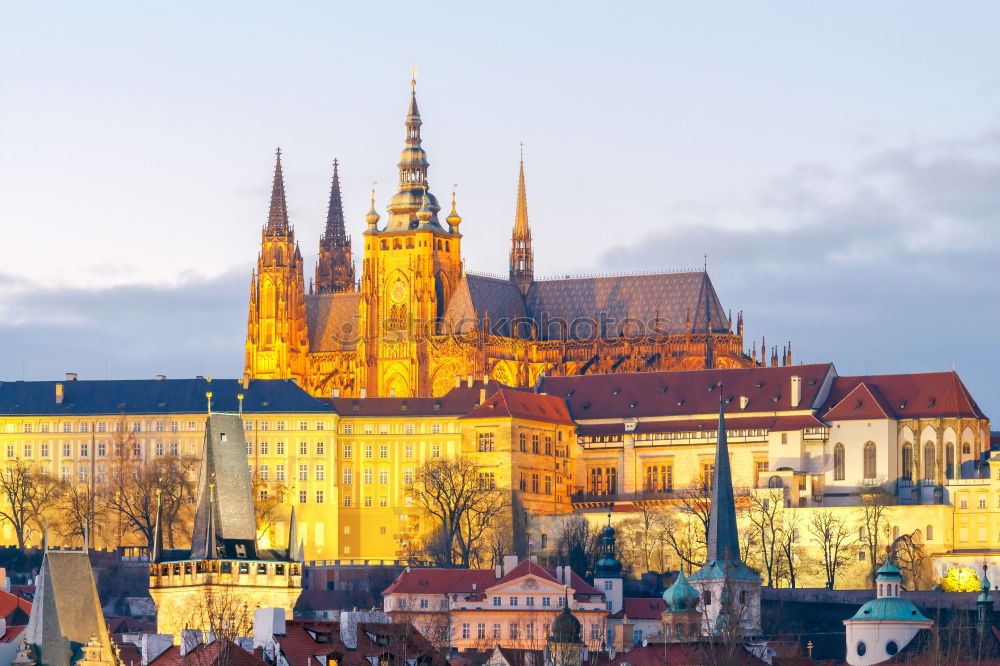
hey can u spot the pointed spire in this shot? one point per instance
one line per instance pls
(334, 267)
(335, 210)
(372, 217)
(413, 167)
(522, 261)
(454, 219)
(277, 216)
(723, 538)
(156, 548)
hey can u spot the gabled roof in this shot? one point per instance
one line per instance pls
(478, 297)
(304, 640)
(526, 568)
(611, 302)
(332, 320)
(13, 606)
(153, 396)
(456, 402)
(222, 652)
(638, 608)
(685, 392)
(474, 581)
(913, 395)
(863, 402)
(510, 403)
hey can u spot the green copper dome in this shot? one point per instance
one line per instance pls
(889, 608)
(608, 566)
(888, 571)
(680, 597)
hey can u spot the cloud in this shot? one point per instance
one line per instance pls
(890, 266)
(196, 326)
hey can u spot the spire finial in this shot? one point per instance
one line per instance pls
(454, 219)
(208, 396)
(373, 217)
(413, 79)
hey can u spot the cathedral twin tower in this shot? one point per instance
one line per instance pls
(415, 321)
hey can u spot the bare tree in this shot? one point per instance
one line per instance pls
(875, 510)
(911, 559)
(794, 558)
(462, 513)
(133, 486)
(764, 514)
(693, 505)
(642, 538)
(267, 500)
(577, 545)
(227, 616)
(26, 495)
(835, 536)
(81, 506)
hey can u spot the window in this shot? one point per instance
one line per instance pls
(436, 428)
(347, 451)
(523, 442)
(383, 501)
(279, 448)
(408, 476)
(861, 556)
(838, 462)
(529, 601)
(383, 476)
(608, 585)
(424, 603)
(263, 472)
(27, 427)
(861, 648)
(891, 648)
(249, 448)
(408, 429)
(319, 496)
(595, 632)
(303, 497)
(27, 450)
(102, 449)
(303, 449)
(281, 425)
(303, 425)
(548, 445)
(383, 428)
(102, 427)
(368, 451)
(982, 501)
(262, 447)
(348, 476)
(512, 630)
(158, 449)
(383, 451)
(408, 451)
(523, 481)
(369, 475)
(534, 483)
(10, 450)
(659, 478)
(784, 437)
(930, 532)
(303, 472)
(67, 450)
(529, 631)
(320, 471)
(706, 598)
(348, 429)
(320, 448)
(436, 451)
(870, 471)
(534, 443)
(485, 442)
(497, 601)
(481, 630)
(279, 473)
(67, 427)
(43, 450)
(496, 630)
(368, 500)
(707, 475)
(949, 460)
(548, 484)
(513, 601)
(611, 478)
(907, 471)
(173, 426)
(929, 461)
(137, 426)
(347, 502)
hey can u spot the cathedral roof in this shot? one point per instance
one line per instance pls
(153, 396)
(478, 297)
(332, 320)
(668, 299)
(911, 395)
(688, 392)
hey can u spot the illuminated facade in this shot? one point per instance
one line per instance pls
(416, 319)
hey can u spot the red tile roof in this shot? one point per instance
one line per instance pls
(222, 652)
(469, 581)
(678, 393)
(733, 423)
(864, 402)
(523, 405)
(304, 641)
(526, 568)
(11, 635)
(638, 608)
(923, 395)
(10, 602)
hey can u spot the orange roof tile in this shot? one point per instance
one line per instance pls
(522, 405)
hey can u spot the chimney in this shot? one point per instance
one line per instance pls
(349, 625)
(471, 379)
(268, 623)
(160, 378)
(499, 571)
(362, 393)
(482, 396)
(486, 379)
(152, 646)
(796, 390)
(59, 394)
(245, 381)
(509, 562)
(336, 392)
(71, 376)
(744, 401)
(458, 381)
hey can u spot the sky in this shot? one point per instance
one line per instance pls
(838, 163)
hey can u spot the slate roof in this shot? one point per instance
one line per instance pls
(477, 297)
(686, 392)
(456, 402)
(733, 423)
(152, 396)
(522, 405)
(667, 297)
(912, 395)
(332, 320)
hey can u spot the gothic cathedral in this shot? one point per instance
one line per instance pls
(416, 320)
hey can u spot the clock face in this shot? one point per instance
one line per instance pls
(397, 291)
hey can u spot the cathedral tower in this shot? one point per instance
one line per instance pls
(335, 267)
(410, 270)
(522, 263)
(277, 339)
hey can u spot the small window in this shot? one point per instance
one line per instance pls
(891, 648)
(861, 648)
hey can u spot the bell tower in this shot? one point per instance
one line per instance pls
(411, 267)
(277, 338)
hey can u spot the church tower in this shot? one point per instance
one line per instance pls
(522, 262)
(277, 338)
(335, 267)
(410, 270)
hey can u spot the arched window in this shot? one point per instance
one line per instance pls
(838, 462)
(929, 460)
(966, 449)
(775, 482)
(949, 461)
(907, 471)
(930, 532)
(870, 468)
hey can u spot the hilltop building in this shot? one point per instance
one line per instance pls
(415, 319)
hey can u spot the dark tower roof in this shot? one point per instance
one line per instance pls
(335, 233)
(565, 628)
(608, 565)
(277, 215)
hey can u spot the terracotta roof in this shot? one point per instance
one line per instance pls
(864, 401)
(222, 652)
(9, 603)
(456, 402)
(129, 654)
(305, 640)
(637, 608)
(522, 405)
(679, 393)
(526, 568)
(469, 581)
(927, 394)
(11, 635)
(780, 423)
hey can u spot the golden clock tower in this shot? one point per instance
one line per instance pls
(410, 270)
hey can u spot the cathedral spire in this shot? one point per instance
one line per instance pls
(334, 267)
(522, 263)
(413, 185)
(277, 216)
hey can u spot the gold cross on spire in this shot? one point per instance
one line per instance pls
(413, 79)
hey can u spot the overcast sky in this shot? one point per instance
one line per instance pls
(839, 165)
